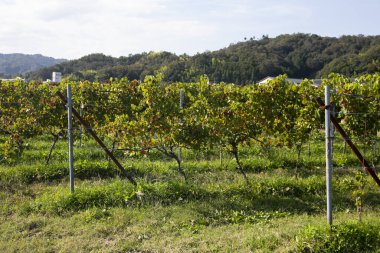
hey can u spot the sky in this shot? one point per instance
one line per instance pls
(71, 29)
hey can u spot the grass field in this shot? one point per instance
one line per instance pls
(214, 211)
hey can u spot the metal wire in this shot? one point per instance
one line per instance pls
(358, 113)
(356, 95)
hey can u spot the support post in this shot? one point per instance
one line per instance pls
(328, 134)
(70, 136)
(88, 128)
(356, 151)
(181, 105)
(81, 128)
(220, 155)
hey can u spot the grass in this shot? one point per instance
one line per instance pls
(215, 211)
(347, 236)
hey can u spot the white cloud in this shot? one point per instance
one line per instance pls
(70, 29)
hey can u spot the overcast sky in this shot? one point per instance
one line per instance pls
(71, 29)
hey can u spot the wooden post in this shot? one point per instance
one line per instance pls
(70, 136)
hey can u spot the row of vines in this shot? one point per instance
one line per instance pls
(138, 117)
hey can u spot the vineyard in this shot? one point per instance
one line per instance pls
(205, 166)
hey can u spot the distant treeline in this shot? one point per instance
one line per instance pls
(297, 55)
(12, 65)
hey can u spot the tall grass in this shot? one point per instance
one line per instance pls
(215, 210)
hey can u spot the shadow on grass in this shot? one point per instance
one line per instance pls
(262, 197)
(372, 199)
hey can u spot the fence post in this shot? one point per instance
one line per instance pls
(328, 134)
(70, 136)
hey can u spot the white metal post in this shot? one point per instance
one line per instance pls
(328, 134)
(70, 136)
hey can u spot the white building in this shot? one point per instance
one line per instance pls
(316, 82)
(14, 79)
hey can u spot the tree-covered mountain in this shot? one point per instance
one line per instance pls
(99, 67)
(297, 55)
(16, 64)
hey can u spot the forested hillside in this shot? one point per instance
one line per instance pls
(297, 55)
(16, 64)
